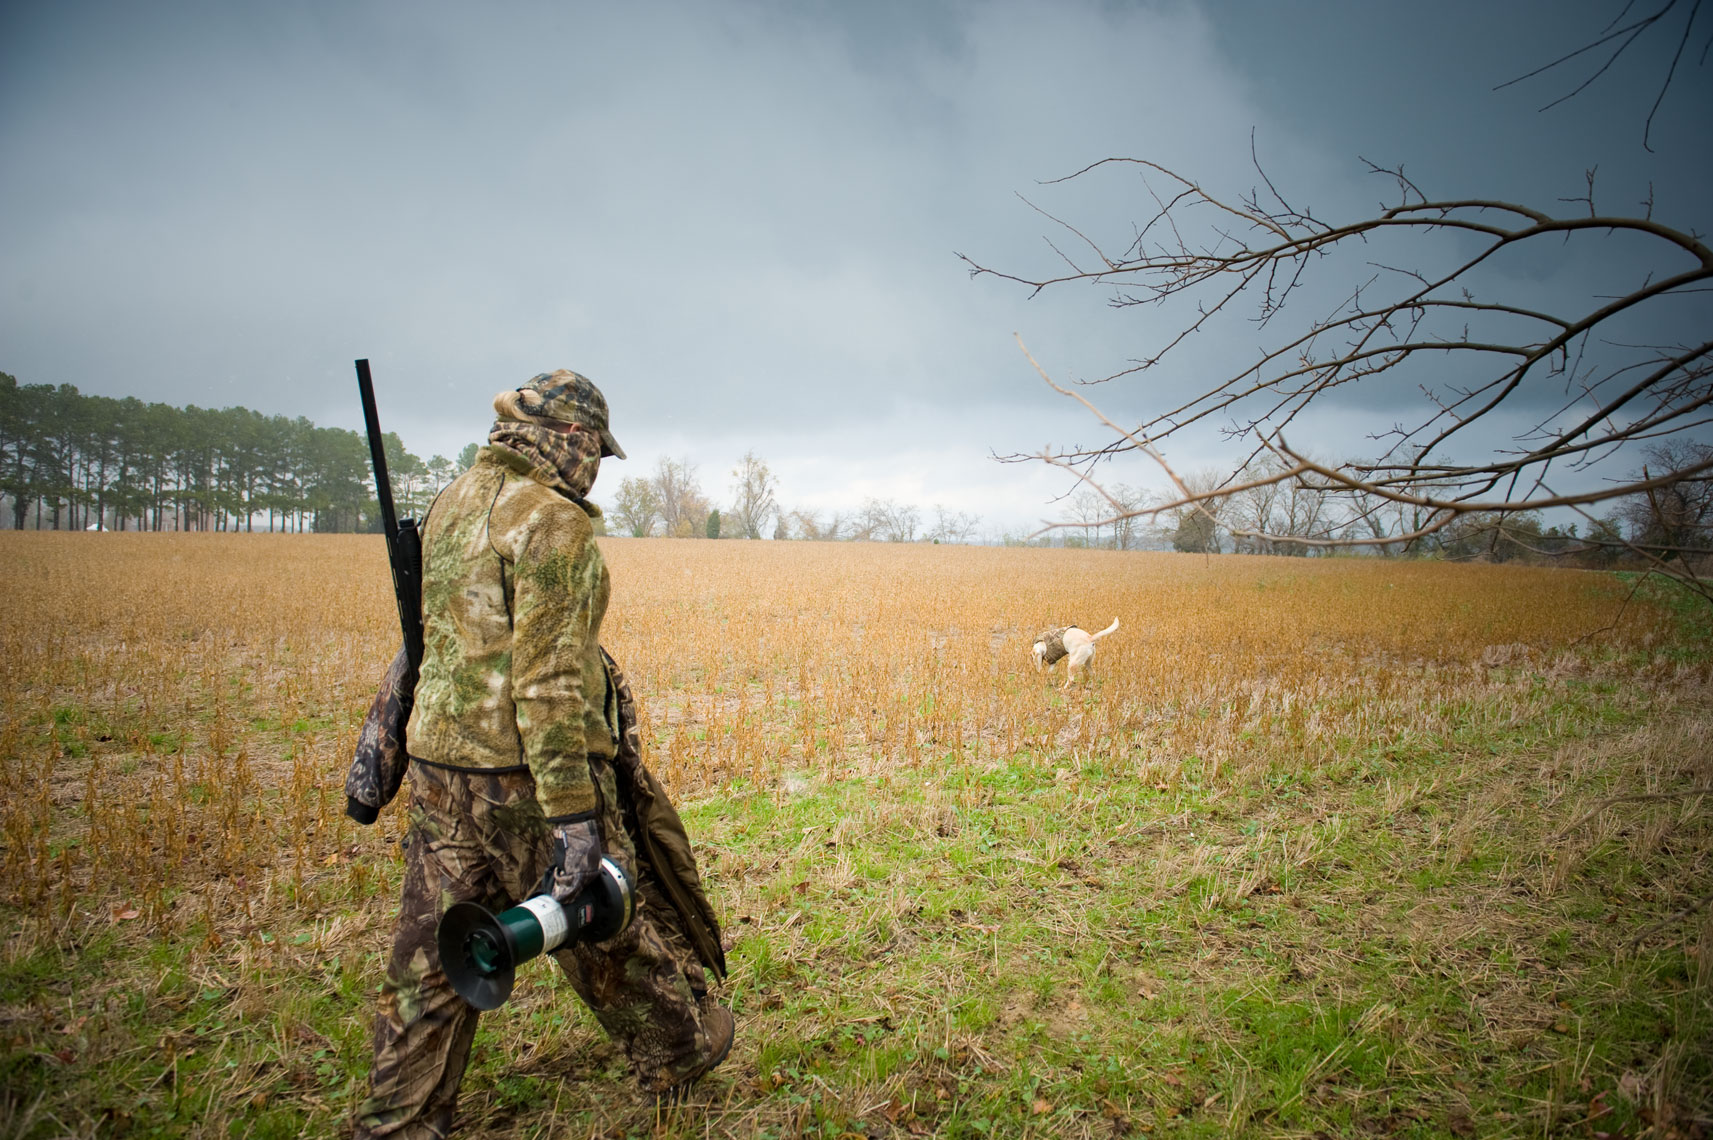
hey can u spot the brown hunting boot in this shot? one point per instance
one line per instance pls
(721, 1027)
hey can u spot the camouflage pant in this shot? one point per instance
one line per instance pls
(481, 837)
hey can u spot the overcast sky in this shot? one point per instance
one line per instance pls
(739, 217)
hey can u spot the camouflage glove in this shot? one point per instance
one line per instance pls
(575, 859)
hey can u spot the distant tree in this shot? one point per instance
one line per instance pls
(753, 502)
(1675, 519)
(807, 524)
(290, 479)
(1086, 511)
(901, 522)
(683, 507)
(441, 471)
(242, 466)
(1127, 528)
(20, 412)
(865, 523)
(338, 493)
(1197, 533)
(59, 432)
(1490, 536)
(886, 520)
(636, 507)
(161, 423)
(1603, 542)
(714, 523)
(1383, 519)
(124, 495)
(467, 457)
(413, 486)
(1269, 514)
(1193, 525)
(952, 526)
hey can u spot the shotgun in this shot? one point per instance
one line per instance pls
(404, 541)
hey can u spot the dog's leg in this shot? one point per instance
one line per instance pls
(1078, 659)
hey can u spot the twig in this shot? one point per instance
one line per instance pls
(1650, 930)
(1651, 797)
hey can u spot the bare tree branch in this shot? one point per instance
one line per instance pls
(1626, 36)
(1612, 391)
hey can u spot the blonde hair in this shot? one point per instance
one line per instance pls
(509, 405)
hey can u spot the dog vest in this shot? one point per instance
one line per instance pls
(1054, 641)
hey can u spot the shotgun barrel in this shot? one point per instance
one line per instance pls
(404, 541)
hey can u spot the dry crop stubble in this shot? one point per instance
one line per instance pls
(187, 698)
(872, 767)
(900, 655)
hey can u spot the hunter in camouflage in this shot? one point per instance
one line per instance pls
(526, 768)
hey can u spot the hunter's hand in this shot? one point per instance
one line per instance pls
(575, 859)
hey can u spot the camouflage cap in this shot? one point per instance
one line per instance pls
(563, 397)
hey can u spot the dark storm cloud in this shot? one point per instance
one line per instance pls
(738, 218)
(1380, 82)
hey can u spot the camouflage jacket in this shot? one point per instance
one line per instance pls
(513, 592)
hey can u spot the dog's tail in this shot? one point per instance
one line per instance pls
(1104, 632)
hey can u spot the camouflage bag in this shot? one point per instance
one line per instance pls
(661, 839)
(381, 755)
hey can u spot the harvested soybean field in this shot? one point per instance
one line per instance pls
(1317, 848)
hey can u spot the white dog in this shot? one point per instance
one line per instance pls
(1070, 642)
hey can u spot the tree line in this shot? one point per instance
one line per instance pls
(80, 462)
(70, 461)
(670, 502)
(1256, 512)
(75, 461)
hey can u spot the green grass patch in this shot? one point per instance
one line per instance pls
(1460, 933)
